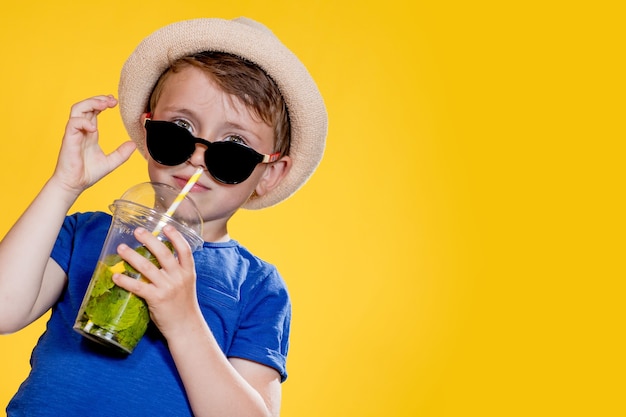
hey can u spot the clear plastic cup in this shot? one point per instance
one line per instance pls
(109, 314)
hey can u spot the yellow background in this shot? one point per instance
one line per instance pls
(460, 250)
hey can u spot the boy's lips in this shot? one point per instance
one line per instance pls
(197, 187)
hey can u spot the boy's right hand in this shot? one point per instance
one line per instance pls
(82, 161)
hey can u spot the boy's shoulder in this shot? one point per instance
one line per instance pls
(88, 218)
(235, 254)
(238, 268)
(85, 225)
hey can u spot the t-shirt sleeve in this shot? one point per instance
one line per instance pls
(84, 232)
(61, 252)
(263, 333)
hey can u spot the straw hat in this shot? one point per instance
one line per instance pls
(249, 40)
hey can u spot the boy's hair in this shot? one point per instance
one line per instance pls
(244, 80)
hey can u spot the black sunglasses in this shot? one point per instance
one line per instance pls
(227, 161)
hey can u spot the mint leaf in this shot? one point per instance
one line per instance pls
(102, 280)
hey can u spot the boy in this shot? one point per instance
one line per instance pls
(221, 316)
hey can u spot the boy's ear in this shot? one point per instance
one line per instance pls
(273, 175)
(143, 118)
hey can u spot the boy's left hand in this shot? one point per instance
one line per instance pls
(171, 291)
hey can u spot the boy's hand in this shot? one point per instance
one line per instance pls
(81, 160)
(171, 290)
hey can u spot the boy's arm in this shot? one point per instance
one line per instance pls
(215, 385)
(29, 281)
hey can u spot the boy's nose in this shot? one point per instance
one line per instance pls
(197, 157)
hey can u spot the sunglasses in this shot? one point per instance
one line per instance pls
(227, 161)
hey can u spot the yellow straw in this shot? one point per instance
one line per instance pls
(179, 198)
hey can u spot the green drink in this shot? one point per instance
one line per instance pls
(109, 314)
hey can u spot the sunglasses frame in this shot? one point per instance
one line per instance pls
(259, 158)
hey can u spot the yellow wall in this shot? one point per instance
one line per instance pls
(460, 250)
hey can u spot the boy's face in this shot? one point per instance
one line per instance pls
(192, 100)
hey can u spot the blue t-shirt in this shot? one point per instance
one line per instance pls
(243, 299)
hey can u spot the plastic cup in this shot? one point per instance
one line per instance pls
(109, 314)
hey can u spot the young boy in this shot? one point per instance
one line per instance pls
(221, 316)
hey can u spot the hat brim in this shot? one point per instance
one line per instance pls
(249, 40)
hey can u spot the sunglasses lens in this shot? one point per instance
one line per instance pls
(231, 163)
(168, 143)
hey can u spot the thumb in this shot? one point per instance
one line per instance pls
(121, 154)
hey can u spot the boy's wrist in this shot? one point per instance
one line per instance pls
(61, 190)
(190, 330)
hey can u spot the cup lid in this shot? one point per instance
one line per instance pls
(157, 198)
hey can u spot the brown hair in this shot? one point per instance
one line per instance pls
(244, 80)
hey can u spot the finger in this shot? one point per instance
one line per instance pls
(93, 106)
(121, 154)
(79, 124)
(163, 254)
(139, 262)
(154, 245)
(181, 246)
(137, 287)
